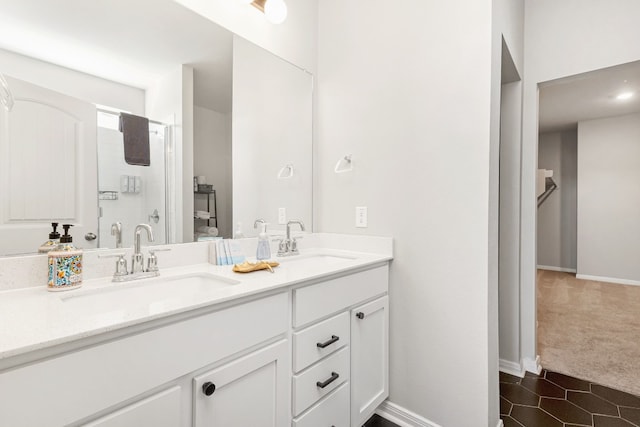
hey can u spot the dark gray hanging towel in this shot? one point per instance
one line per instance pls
(135, 130)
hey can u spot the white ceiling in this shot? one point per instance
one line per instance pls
(567, 101)
(130, 42)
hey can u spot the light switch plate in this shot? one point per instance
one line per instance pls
(361, 216)
(282, 216)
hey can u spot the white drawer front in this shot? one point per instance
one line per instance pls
(331, 411)
(322, 299)
(306, 390)
(320, 340)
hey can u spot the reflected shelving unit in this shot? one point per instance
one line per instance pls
(210, 197)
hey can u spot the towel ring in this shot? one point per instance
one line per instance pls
(344, 165)
(286, 172)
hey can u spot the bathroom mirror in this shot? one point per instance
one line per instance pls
(159, 60)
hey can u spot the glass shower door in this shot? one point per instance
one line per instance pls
(131, 194)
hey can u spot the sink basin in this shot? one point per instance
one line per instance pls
(159, 291)
(313, 260)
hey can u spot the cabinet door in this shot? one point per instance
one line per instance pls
(160, 410)
(369, 358)
(251, 391)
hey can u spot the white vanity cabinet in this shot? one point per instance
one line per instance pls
(102, 384)
(160, 410)
(313, 354)
(340, 349)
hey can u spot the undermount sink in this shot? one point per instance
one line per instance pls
(168, 290)
(313, 260)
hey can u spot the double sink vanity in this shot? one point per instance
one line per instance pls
(200, 345)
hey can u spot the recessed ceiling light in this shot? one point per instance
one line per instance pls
(624, 95)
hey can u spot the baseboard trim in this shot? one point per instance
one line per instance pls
(533, 366)
(402, 416)
(561, 269)
(511, 368)
(608, 279)
(405, 418)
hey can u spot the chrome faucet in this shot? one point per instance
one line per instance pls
(258, 221)
(289, 246)
(116, 230)
(137, 260)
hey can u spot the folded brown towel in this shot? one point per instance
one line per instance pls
(135, 131)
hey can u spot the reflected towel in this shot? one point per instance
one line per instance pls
(135, 131)
(212, 231)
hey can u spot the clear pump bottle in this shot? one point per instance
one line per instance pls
(264, 250)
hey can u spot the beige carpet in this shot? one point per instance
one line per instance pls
(589, 329)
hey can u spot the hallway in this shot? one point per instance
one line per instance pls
(589, 329)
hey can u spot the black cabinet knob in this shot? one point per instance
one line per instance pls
(360, 315)
(208, 388)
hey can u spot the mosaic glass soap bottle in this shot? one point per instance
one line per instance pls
(65, 264)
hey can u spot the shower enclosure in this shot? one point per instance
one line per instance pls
(131, 194)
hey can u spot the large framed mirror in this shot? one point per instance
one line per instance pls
(222, 112)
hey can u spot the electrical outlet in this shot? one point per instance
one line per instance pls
(361, 217)
(282, 216)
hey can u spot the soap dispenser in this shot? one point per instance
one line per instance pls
(264, 250)
(237, 233)
(52, 243)
(65, 264)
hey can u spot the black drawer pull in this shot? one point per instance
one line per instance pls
(334, 377)
(360, 315)
(333, 339)
(208, 388)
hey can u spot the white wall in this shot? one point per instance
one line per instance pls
(294, 40)
(609, 198)
(212, 158)
(562, 39)
(557, 216)
(72, 83)
(408, 95)
(505, 124)
(509, 255)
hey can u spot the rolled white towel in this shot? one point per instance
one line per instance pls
(201, 237)
(211, 231)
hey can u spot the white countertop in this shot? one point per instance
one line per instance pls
(33, 318)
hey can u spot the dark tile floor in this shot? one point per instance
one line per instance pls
(556, 400)
(378, 421)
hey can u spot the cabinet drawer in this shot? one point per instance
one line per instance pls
(331, 411)
(307, 385)
(317, 301)
(320, 340)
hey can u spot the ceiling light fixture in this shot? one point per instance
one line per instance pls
(274, 10)
(625, 95)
